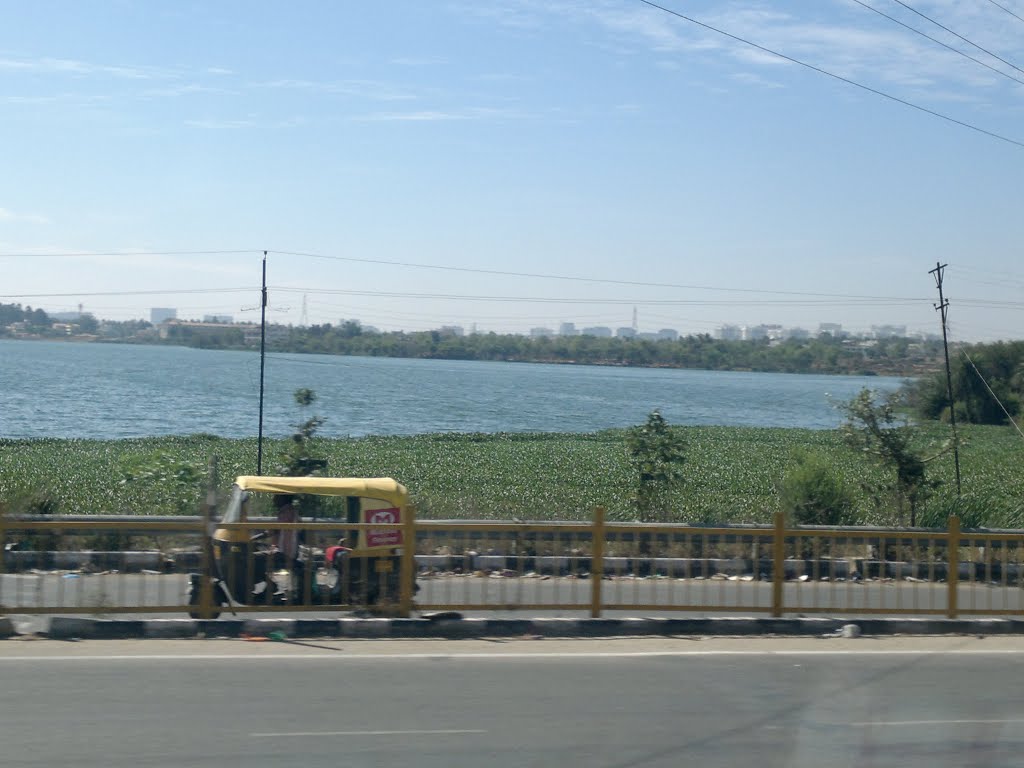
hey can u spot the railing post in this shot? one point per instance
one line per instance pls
(953, 565)
(596, 562)
(778, 563)
(407, 570)
(206, 553)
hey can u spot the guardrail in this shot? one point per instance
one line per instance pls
(105, 567)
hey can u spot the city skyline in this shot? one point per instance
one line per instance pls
(729, 332)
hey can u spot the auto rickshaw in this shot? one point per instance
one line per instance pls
(312, 553)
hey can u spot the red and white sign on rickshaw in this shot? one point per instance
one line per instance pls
(388, 537)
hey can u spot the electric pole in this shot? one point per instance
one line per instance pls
(942, 307)
(263, 356)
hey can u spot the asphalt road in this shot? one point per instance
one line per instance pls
(660, 596)
(429, 704)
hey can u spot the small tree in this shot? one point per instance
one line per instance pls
(657, 456)
(298, 457)
(876, 429)
(811, 493)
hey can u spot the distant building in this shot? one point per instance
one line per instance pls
(451, 330)
(835, 330)
(889, 331)
(597, 330)
(541, 333)
(625, 332)
(567, 329)
(667, 334)
(753, 332)
(218, 319)
(159, 315)
(729, 333)
(798, 333)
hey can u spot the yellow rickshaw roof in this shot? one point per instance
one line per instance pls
(368, 487)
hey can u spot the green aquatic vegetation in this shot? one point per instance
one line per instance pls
(733, 474)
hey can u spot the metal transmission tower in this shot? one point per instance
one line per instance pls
(942, 307)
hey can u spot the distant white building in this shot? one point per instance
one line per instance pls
(889, 331)
(625, 332)
(798, 333)
(729, 333)
(597, 330)
(835, 330)
(753, 332)
(567, 329)
(159, 315)
(667, 334)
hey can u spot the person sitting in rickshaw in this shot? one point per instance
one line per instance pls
(286, 543)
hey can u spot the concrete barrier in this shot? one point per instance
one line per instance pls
(68, 628)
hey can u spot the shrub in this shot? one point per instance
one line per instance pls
(811, 493)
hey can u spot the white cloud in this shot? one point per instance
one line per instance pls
(838, 36)
(220, 124)
(427, 115)
(6, 214)
(364, 88)
(48, 65)
(750, 78)
(187, 89)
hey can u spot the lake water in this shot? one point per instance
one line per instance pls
(56, 389)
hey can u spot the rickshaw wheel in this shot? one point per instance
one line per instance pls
(214, 614)
(193, 600)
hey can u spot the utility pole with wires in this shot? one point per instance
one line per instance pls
(263, 357)
(942, 307)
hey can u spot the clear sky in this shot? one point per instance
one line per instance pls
(676, 170)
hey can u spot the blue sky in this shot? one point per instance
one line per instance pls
(610, 141)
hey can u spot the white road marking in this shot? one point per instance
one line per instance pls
(341, 656)
(895, 723)
(452, 732)
(872, 724)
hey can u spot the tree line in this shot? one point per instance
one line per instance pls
(988, 385)
(824, 354)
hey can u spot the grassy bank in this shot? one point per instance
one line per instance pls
(732, 473)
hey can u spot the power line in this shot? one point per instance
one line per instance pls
(162, 292)
(957, 35)
(846, 80)
(1003, 7)
(578, 279)
(853, 301)
(939, 42)
(85, 254)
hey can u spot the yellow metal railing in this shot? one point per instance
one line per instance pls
(590, 568)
